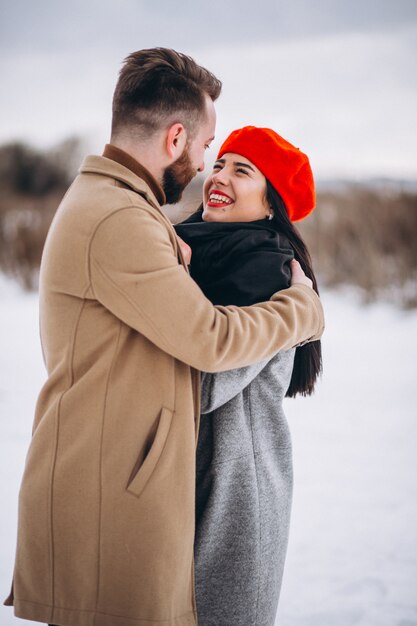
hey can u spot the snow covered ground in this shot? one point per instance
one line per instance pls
(352, 557)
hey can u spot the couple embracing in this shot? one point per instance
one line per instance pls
(157, 487)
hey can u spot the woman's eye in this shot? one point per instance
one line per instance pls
(241, 170)
(217, 168)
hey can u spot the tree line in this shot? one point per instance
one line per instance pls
(360, 235)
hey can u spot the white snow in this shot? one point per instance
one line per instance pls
(352, 558)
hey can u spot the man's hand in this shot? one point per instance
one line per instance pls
(298, 276)
(186, 250)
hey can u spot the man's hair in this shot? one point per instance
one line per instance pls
(159, 87)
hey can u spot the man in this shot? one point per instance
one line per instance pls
(106, 514)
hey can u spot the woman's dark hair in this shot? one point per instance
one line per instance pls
(308, 359)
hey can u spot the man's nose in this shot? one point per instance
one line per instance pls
(200, 168)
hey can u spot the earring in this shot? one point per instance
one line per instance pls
(270, 216)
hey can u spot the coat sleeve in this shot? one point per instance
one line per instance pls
(220, 387)
(135, 274)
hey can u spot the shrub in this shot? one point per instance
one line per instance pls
(359, 235)
(366, 237)
(33, 183)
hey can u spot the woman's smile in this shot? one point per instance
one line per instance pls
(218, 199)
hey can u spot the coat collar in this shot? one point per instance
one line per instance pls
(125, 159)
(139, 180)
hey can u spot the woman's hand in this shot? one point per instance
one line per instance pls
(186, 250)
(298, 276)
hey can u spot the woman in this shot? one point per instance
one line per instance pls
(243, 241)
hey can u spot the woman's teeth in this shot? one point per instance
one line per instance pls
(215, 197)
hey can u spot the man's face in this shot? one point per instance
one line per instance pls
(180, 173)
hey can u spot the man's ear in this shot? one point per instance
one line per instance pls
(176, 139)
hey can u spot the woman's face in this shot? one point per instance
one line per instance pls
(235, 191)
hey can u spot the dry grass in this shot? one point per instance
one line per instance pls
(367, 238)
(33, 183)
(360, 236)
(23, 229)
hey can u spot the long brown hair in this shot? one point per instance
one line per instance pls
(308, 358)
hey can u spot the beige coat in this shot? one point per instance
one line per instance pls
(106, 510)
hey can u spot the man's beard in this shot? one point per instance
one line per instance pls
(177, 176)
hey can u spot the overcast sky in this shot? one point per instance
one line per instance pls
(335, 77)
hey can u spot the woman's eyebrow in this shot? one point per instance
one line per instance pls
(244, 165)
(238, 163)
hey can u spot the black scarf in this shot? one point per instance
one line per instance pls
(237, 262)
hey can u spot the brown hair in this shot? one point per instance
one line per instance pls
(159, 87)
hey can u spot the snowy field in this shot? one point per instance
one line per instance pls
(352, 558)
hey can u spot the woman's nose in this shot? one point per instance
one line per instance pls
(219, 177)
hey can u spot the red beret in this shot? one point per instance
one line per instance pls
(285, 166)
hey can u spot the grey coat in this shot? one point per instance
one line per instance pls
(244, 492)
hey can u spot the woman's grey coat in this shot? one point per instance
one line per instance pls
(244, 492)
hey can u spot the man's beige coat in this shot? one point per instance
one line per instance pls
(106, 511)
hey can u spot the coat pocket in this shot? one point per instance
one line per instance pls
(140, 479)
